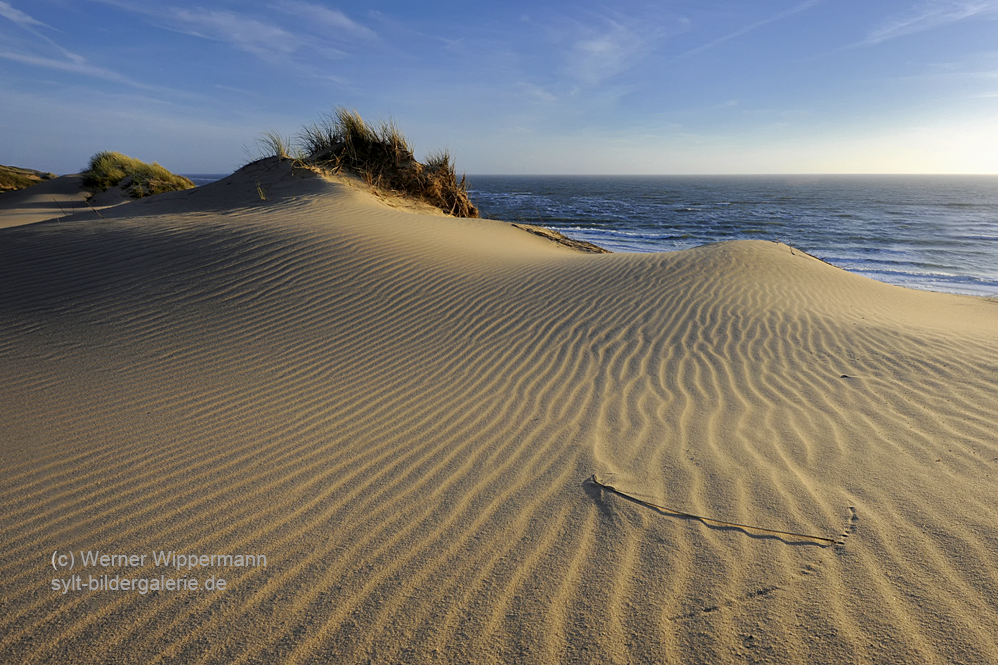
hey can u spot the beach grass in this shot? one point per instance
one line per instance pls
(109, 169)
(15, 177)
(273, 144)
(382, 155)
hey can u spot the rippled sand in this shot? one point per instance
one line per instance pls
(402, 411)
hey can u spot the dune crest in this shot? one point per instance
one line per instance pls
(401, 412)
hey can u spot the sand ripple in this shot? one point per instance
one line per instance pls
(401, 412)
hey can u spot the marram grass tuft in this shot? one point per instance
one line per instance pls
(108, 169)
(383, 157)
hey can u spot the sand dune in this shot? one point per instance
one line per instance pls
(401, 412)
(51, 199)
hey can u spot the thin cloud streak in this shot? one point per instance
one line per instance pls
(75, 63)
(599, 53)
(933, 14)
(19, 17)
(603, 55)
(266, 40)
(243, 33)
(76, 67)
(804, 6)
(28, 23)
(332, 18)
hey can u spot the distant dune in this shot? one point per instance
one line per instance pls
(401, 411)
(13, 178)
(58, 197)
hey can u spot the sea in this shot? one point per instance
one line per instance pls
(204, 178)
(938, 233)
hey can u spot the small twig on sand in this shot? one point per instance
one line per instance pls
(709, 519)
(60, 207)
(87, 201)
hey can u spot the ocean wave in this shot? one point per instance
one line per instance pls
(930, 232)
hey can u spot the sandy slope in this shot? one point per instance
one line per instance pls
(401, 411)
(55, 199)
(51, 199)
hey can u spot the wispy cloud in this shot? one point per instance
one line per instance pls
(72, 62)
(604, 54)
(536, 93)
(261, 35)
(246, 34)
(611, 45)
(320, 16)
(804, 6)
(29, 23)
(19, 17)
(78, 67)
(931, 14)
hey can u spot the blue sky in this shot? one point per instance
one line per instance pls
(691, 86)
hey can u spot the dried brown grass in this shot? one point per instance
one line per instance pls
(383, 157)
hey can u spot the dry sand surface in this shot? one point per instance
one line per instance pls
(54, 198)
(401, 412)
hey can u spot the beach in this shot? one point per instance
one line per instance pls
(400, 415)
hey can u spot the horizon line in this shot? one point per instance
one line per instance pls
(773, 174)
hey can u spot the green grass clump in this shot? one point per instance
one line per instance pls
(14, 177)
(108, 169)
(383, 157)
(272, 144)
